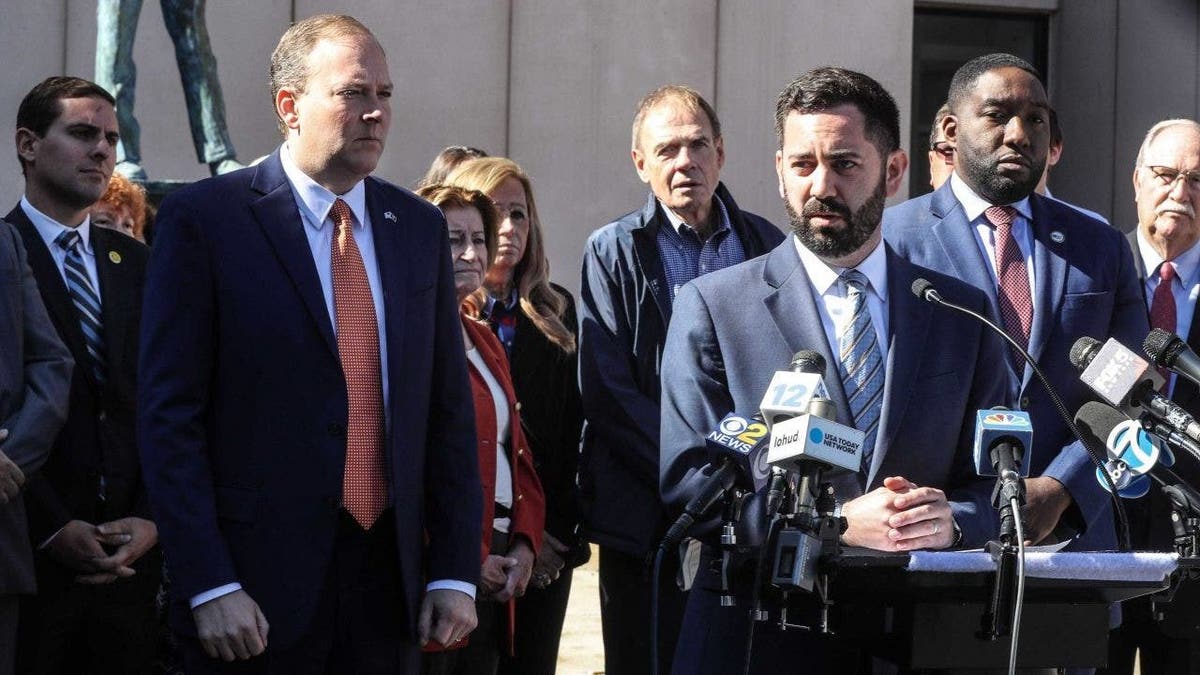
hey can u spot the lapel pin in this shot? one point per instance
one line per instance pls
(115, 257)
(1057, 237)
(390, 216)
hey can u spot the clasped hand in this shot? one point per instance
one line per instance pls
(899, 516)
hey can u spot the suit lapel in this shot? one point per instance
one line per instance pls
(1050, 278)
(794, 313)
(960, 245)
(909, 320)
(119, 291)
(396, 268)
(280, 220)
(53, 289)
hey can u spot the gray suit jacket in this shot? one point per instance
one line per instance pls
(35, 376)
(734, 328)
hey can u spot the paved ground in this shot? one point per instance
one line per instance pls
(582, 649)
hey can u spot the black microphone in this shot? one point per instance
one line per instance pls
(738, 447)
(1128, 382)
(1168, 350)
(924, 289)
(1134, 454)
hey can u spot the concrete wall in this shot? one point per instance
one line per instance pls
(553, 84)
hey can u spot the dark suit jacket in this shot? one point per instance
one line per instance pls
(242, 425)
(734, 328)
(35, 376)
(625, 307)
(1150, 516)
(1085, 284)
(546, 380)
(99, 437)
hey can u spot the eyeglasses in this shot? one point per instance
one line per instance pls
(1167, 176)
(944, 149)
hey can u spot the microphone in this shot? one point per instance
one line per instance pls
(1168, 350)
(812, 438)
(1135, 456)
(736, 446)
(1127, 382)
(924, 289)
(791, 391)
(1002, 439)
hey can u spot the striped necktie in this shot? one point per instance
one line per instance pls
(860, 366)
(364, 485)
(86, 301)
(1016, 301)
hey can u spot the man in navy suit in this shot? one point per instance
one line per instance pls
(1051, 274)
(306, 425)
(908, 374)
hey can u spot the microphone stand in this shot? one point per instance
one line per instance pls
(1009, 493)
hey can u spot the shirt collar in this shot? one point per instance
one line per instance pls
(49, 228)
(722, 219)
(492, 301)
(315, 201)
(1187, 264)
(823, 275)
(974, 205)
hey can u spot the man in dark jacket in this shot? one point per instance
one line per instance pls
(632, 268)
(98, 564)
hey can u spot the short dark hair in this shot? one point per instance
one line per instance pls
(41, 106)
(689, 98)
(967, 74)
(828, 87)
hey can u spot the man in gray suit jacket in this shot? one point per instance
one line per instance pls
(35, 375)
(908, 374)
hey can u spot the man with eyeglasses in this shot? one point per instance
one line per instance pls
(1052, 275)
(941, 153)
(1166, 187)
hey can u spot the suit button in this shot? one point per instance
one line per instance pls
(1024, 403)
(102, 416)
(336, 430)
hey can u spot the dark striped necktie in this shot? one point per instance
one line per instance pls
(86, 301)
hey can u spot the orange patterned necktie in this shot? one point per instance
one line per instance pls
(364, 488)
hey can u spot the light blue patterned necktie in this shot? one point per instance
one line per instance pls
(860, 366)
(86, 301)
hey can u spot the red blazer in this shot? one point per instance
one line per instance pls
(529, 502)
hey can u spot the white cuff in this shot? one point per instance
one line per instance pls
(452, 585)
(213, 594)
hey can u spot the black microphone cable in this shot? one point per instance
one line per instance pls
(924, 289)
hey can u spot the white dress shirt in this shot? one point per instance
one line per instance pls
(833, 304)
(50, 229)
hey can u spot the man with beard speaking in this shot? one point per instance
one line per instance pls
(1051, 273)
(836, 288)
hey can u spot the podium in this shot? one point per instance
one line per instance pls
(923, 610)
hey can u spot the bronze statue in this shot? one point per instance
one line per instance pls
(115, 70)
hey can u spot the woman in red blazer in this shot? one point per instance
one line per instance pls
(514, 506)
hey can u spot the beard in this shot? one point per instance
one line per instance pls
(839, 242)
(980, 173)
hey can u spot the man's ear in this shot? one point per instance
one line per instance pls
(26, 142)
(286, 101)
